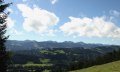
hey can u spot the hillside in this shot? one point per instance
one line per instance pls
(109, 67)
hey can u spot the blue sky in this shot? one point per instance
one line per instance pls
(90, 21)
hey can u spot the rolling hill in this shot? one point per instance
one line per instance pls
(109, 67)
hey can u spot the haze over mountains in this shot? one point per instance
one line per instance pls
(15, 45)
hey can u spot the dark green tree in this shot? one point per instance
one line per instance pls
(3, 26)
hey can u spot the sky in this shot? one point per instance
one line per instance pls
(89, 21)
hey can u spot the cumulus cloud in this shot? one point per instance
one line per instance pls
(53, 1)
(52, 32)
(37, 19)
(10, 22)
(10, 27)
(115, 13)
(91, 27)
(10, 10)
(13, 31)
(24, 0)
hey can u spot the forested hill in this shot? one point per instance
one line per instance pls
(63, 59)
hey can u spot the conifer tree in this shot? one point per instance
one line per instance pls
(3, 26)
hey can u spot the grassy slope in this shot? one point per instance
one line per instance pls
(109, 67)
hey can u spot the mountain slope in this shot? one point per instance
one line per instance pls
(109, 67)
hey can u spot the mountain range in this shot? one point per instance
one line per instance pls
(15, 45)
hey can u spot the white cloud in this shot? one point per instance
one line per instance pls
(37, 19)
(24, 0)
(13, 31)
(10, 22)
(10, 27)
(52, 32)
(91, 27)
(10, 10)
(53, 1)
(115, 13)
